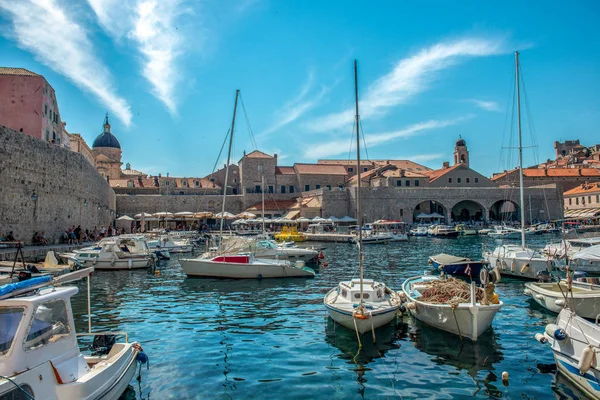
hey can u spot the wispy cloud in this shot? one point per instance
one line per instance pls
(335, 147)
(153, 26)
(43, 28)
(297, 107)
(423, 157)
(411, 76)
(485, 105)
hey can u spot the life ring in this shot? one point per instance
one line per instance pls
(484, 276)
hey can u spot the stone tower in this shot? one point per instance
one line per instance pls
(107, 153)
(461, 154)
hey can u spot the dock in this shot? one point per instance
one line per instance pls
(330, 237)
(37, 253)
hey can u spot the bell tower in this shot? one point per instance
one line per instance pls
(461, 154)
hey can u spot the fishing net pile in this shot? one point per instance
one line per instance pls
(449, 291)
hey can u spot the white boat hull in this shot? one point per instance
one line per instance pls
(109, 265)
(259, 269)
(567, 352)
(518, 263)
(585, 298)
(466, 320)
(343, 313)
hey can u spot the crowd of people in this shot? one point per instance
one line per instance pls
(77, 235)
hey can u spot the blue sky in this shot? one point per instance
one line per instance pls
(167, 71)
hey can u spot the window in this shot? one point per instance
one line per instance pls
(365, 169)
(181, 193)
(589, 199)
(577, 200)
(398, 182)
(9, 321)
(350, 169)
(271, 189)
(449, 180)
(306, 188)
(458, 180)
(197, 183)
(476, 180)
(50, 324)
(211, 204)
(468, 180)
(257, 189)
(569, 201)
(328, 187)
(317, 186)
(598, 198)
(45, 109)
(291, 189)
(283, 189)
(416, 184)
(129, 184)
(407, 183)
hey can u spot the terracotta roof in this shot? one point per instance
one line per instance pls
(120, 182)
(404, 164)
(17, 71)
(367, 174)
(146, 182)
(350, 163)
(320, 169)
(258, 154)
(584, 189)
(204, 183)
(552, 172)
(279, 205)
(285, 171)
(438, 173)
(132, 172)
(407, 174)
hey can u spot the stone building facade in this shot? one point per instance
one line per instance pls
(47, 188)
(583, 201)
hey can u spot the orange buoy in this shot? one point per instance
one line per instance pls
(320, 256)
(325, 264)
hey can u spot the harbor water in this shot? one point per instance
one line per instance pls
(247, 339)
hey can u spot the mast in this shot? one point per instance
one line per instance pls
(262, 189)
(358, 209)
(237, 93)
(521, 192)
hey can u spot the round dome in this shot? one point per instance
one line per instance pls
(106, 139)
(461, 142)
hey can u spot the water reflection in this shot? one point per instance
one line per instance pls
(473, 357)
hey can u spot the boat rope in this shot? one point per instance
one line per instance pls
(454, 306)
(372, 327)
(357, 334)
(18, 386)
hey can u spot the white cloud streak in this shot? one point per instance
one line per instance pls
(485, 105)
(334, 147)
(112, 15)
(409, 77)
(43, 28)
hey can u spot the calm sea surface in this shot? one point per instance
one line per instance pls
(272, 339)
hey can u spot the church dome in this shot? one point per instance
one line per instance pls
(106, 139)
(461, 142)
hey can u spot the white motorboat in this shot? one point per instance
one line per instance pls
(516, 261)
(269, 249)
(114, 253)
(39, 353)
(504, 232)
(467, 318)
(394, 229)
(166, 242)
(584, 298)
(419, 231)
(443, 231)
(586, 260)
(240, 266)
(568, 247)
(575, 343)
(361, 304)
(378, 238)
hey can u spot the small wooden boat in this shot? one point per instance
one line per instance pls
(458, 266)
(467, 317)
(584, 298)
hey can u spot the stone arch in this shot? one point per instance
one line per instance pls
(430, 207)
(504, 210)
(468, 211)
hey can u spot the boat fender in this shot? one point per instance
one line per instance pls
(325, 264)
(559, 302)
(556, 332)
(112, 263)
(130, 263)
(411, 306)
(527, 292)
(505, 378)
(259, 277)
(541, 338)
(402, 309)
(498, 274)
(539, 297)
(484, 276)
(513, 266)
(141, 357)
(321, 256)
(525, 269)
(503, 265)
(587, 360)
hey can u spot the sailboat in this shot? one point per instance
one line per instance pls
(510, 259)
(234, 264)
(361, 304)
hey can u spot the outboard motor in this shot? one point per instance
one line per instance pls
(544, 276)
(102, 344)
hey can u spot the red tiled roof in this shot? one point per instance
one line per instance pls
(350, 163)
(584, 189)
(552, 172)
(438, 173)
(17, 71)
(285, 171)
(404, 164)
(320, 169)
(258, 154)
(274, 205)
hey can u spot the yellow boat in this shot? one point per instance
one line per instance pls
(290, 235)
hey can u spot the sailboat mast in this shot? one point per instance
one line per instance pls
(262, 189)
(358, 209)
(237, 93)
(521, 192)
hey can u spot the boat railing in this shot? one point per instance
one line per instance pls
(123, 333)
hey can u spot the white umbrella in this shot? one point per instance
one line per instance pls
(436, 215)
(303, 219)
(145, 215)
(319, 219)
(226, 215)
(285, 221)
(246, 215)
(125, 218)
(334, 219)
(184, 214)
(163, 214)
(347, 219)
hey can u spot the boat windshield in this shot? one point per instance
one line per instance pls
(50, 324)
(267, 244)
(10, 317)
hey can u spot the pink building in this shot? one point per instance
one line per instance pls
(28, 104)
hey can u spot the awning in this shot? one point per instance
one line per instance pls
(582, 213)
(292, 214)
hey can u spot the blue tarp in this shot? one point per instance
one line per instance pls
(12, 287)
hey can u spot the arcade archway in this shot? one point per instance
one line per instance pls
(429, 211)
(504, 210)
(467, 211)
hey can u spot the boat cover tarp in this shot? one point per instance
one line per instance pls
(446, 259)
(589, 254)
(13, 287)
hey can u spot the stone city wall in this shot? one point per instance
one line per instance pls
(68, 190)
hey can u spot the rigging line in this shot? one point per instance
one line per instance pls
(213, 170)
(364, 141)
(351, 141)
(508, 102)
(252, 138)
